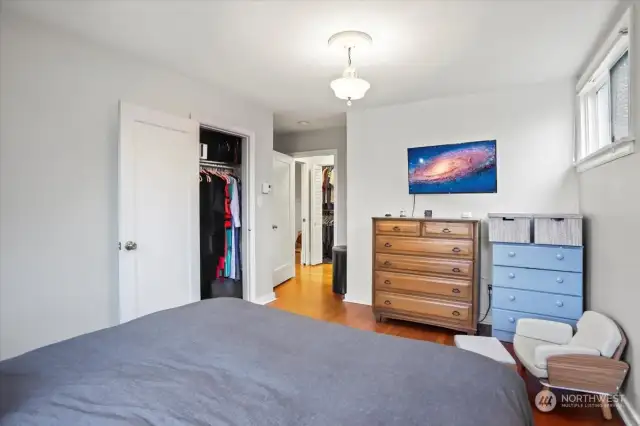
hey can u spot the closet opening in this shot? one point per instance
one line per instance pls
(223, 214)
(316, 189)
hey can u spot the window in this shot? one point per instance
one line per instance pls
(604, 102)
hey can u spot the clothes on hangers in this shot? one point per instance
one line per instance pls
(220, 217)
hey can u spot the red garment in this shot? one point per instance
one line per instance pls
(227, 225)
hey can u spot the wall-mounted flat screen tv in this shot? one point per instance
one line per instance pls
(461, 168)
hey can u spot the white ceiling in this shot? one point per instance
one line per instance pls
(275, 52)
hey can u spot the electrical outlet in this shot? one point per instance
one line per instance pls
(490, 287)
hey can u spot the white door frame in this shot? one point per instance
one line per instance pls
(128, 115)
(338, 187)
(248, 201)
(304, 212)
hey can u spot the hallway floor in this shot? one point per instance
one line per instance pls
(310, 294)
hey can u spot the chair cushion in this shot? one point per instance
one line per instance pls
(525, 349)
(543, 352)
(598, 332)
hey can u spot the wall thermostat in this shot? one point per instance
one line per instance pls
(266, 188)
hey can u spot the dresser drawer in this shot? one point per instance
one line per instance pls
(561, 282)
(398, 227)
(423, 306)
(539, 257)
(453, 267)
(507, 320)
(555, 305)
(447, 229)
(433, 246)
(424, 284)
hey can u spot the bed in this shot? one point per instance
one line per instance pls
(230, 362)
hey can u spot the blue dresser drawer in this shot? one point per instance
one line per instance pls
(503, 336)
(507, 320)
(539, 257)
(555, 305)
(538, 280)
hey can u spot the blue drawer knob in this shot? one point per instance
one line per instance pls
(512, 254)
(512, 320)
(559, 256)
(512, 275)
(559, 304)
(512, 298)
(559, 280)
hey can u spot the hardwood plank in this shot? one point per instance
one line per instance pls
(310, 294)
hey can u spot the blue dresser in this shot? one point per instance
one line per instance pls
(535, 281)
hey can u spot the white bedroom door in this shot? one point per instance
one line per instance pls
(304, 201)
(315, 251)
(284, 223)
(159, 261)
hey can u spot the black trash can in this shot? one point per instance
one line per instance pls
(340, 269)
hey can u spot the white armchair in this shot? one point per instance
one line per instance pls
(589, 361)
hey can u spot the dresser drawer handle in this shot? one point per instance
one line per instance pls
(512, 254)
(387, 244)
(559, 280)
(387, 302)
(396, 228)
(446, 230)
(387, 263)
(512, 275)
(512, 298)
(456, 269)
(455, 250)
(559, 304)
(388, 282)
(559, 256)
(512, 320)
(455, 313)
(455, 290)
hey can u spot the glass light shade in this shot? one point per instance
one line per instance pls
(349, 86)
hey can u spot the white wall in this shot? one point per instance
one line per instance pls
(58, 176)
(609, 201)
(316, 140)
(533, 127)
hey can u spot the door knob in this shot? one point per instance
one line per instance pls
(130, 245)
(274, 226)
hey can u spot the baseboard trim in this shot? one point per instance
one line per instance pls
(629, 416)
(353, 300)
(265, 299)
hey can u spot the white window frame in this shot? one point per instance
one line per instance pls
(596, 75)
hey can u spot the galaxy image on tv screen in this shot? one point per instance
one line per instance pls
(469, 167)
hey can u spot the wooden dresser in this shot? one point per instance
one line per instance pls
(427, 270)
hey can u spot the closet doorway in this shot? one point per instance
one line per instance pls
(317, 186)
(160, 212)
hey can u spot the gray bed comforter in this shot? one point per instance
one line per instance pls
(230, 362)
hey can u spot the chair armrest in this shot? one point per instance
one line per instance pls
(587, 373)
(543, 352)
(549, 331)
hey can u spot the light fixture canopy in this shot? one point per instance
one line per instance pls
(350, 87)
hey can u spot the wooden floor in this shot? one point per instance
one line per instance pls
(310, 294)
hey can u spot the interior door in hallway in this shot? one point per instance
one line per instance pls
(283, 214)
(315, 250)
(159, 261)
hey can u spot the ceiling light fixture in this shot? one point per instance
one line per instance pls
(350, 86)
(303, 123)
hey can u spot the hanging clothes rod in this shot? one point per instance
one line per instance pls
(217, 165)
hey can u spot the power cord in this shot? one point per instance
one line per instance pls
(490, 292)
(413, 210)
